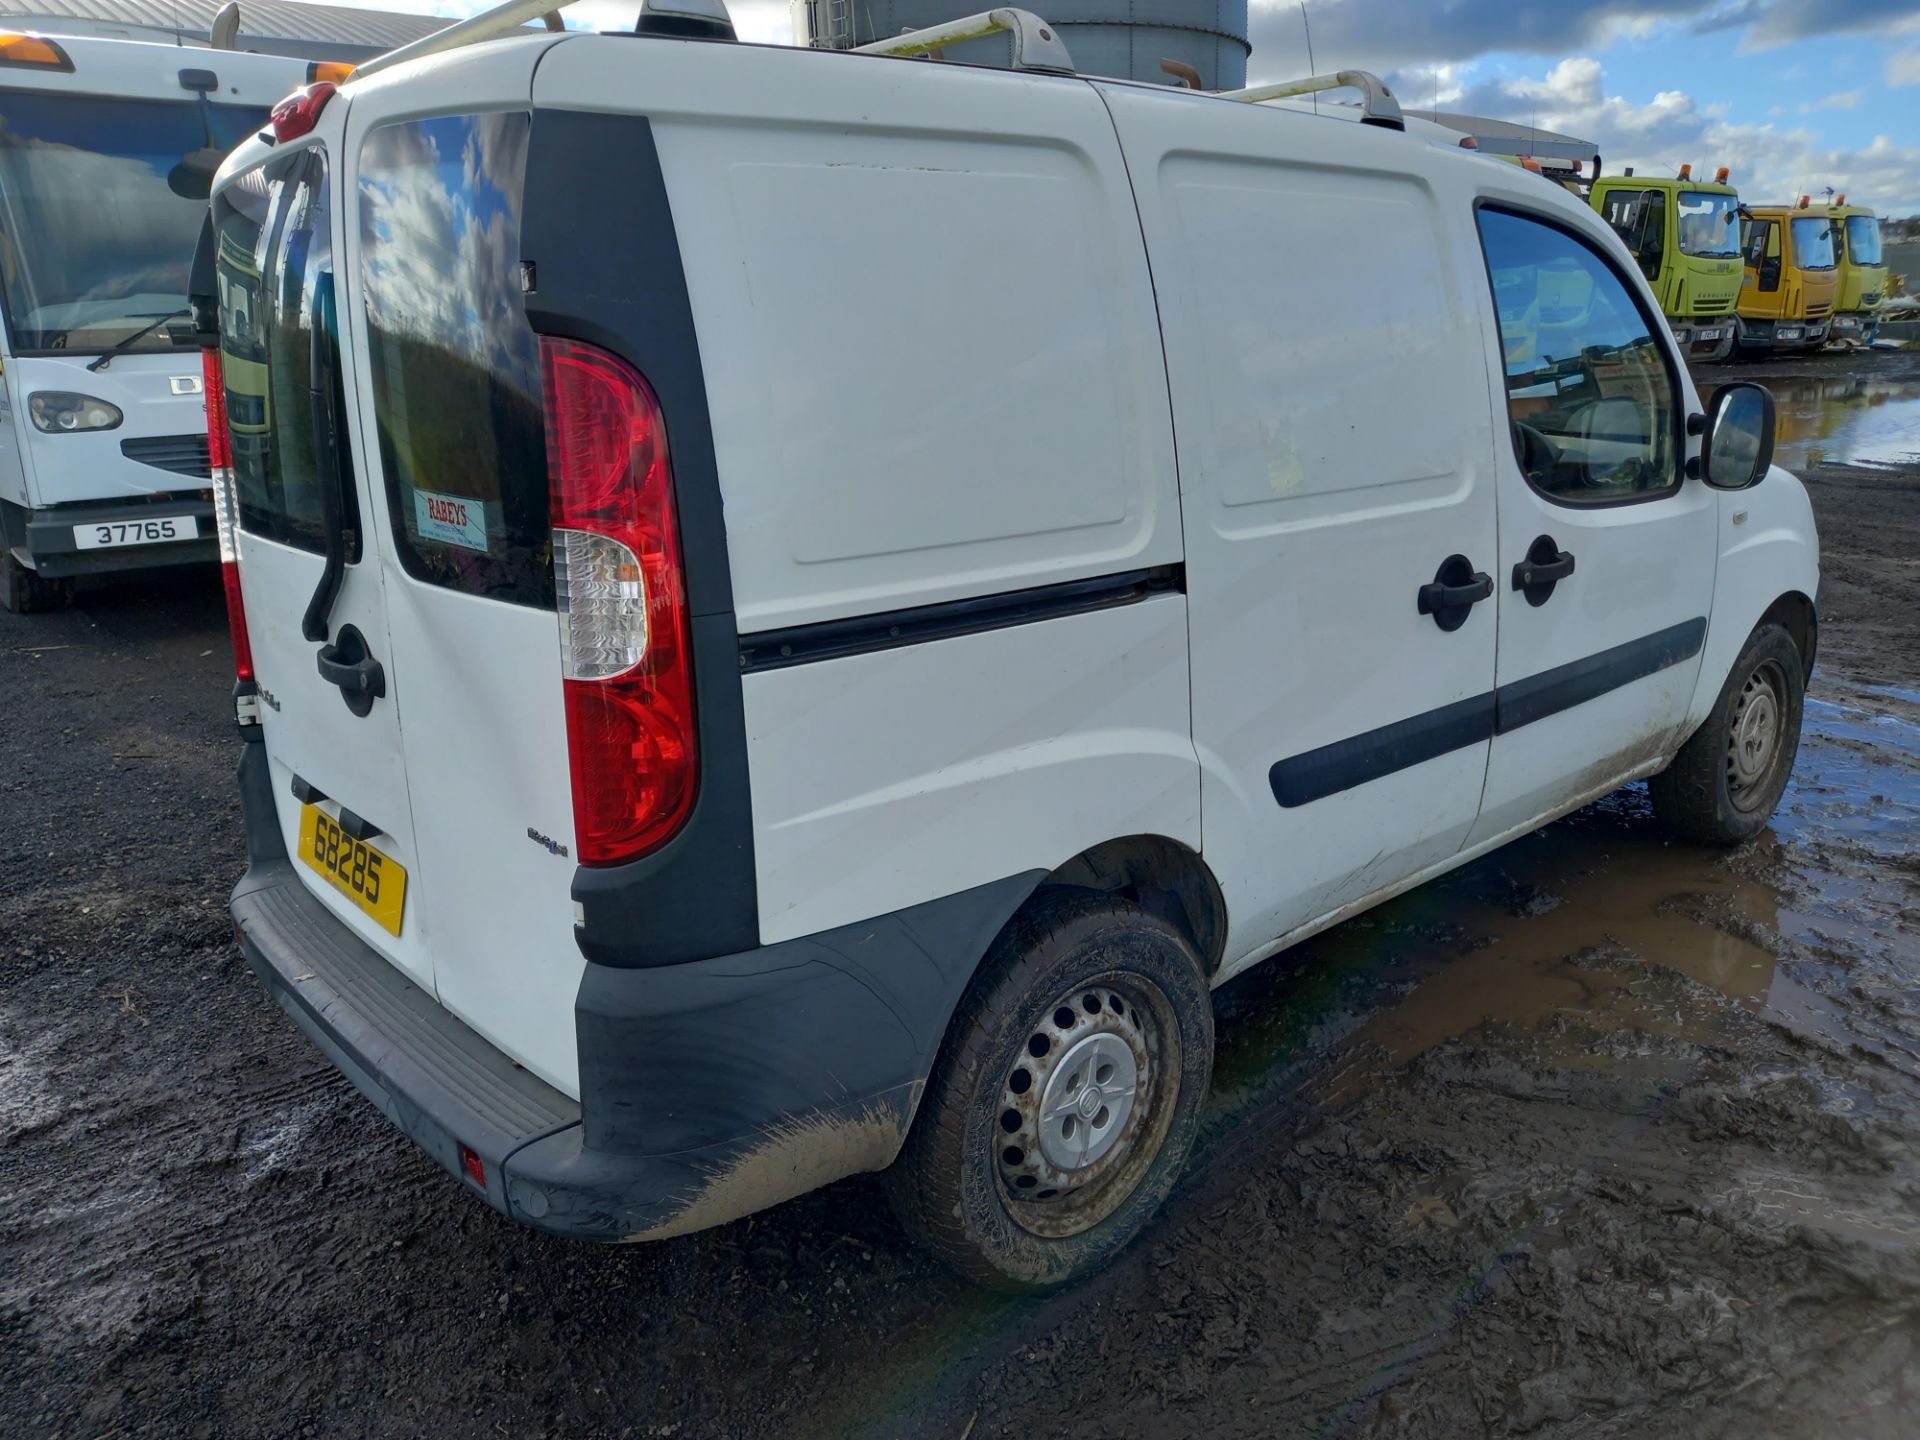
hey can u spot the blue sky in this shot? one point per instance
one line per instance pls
(1795, 95)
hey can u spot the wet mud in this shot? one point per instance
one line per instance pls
(1603, 1135)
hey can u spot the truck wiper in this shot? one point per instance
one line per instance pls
(316, 624)
(101, 362)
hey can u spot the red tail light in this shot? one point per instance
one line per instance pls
(225, 518)
(300, 111)
(624, 639)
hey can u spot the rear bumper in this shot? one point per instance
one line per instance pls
(46, 537)
(708, 1090)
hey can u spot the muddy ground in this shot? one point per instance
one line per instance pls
(1601, 1136)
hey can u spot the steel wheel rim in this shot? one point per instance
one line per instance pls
(1109, 1044)
(1756, 737)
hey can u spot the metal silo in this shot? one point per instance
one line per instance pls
(1125, 38)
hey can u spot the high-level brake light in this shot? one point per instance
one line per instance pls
(300, 112)
(225, 519)
(625, 641)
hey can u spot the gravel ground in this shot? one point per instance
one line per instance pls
(1600, 1136)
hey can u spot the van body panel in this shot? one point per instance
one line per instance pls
(1308, 532)
(1006, 426)
(884, 778)
(430, 227)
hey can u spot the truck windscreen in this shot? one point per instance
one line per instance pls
(1863, 240)
(1813, 242)
(1709, 223)
(98, 214)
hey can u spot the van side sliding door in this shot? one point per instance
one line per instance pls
(1332, 424)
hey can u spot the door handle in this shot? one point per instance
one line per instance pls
(1546, 566)
(347, 664)
(1455, 589)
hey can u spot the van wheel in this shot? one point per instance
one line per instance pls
(1724, 784)
(25, 593)
(1062, 1107)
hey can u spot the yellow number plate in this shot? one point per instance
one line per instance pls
(376, 882)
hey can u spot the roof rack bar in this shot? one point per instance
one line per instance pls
(1377, 105)
(1036, 45)
(501, 20)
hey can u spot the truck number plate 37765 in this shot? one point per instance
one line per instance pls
(106, 534)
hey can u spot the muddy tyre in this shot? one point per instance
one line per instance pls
(1067, 1095)
(1724, 784)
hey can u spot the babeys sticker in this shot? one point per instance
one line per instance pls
(451, 519)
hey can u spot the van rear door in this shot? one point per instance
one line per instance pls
(454, 465)
(330, 698)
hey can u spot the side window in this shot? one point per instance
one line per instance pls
(1653, 241)
(275, 256)
(1592, 399)
(1623, 214)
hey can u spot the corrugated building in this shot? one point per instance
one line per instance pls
(272, 27)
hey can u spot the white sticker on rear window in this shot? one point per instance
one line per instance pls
(451, 519)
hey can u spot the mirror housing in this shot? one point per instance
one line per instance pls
(1738, 446)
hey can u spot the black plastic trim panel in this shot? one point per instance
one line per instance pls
(862, 634)
(591, 177)
(1316, 774)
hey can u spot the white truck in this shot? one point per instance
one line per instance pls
(798, 610)
(107, 152)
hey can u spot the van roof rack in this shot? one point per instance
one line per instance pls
(1036, 45)
(1377, 105)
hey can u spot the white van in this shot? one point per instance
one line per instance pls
(107, 151)
(798, 610)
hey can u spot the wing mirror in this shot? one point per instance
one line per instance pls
(1738, 444)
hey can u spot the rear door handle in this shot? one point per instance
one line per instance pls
(1454, 590)
(347, 664)
(1546, 566)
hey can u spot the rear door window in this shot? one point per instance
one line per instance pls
(455, 366)
(275, 259)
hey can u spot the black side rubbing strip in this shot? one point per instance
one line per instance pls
(1344, 764)
(593, 175)
(1399, 746)
(1565, 686)
(832, 639)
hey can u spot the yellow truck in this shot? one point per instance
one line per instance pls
(1863, 272)
(1685, 234)
(1792, 278)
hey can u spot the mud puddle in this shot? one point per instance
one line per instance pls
(1843, 419)
(1604, 956)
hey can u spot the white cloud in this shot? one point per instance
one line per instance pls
(1903, 67)
(1839, 100)
(1770, 163)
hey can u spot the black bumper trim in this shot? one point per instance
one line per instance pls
(708, 1090)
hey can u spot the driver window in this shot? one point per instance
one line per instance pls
(1592, 401)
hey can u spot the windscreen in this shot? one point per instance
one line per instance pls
(1813, 242)
(455, 365)
(101, 200)
(1709, 223)
(1863, 240)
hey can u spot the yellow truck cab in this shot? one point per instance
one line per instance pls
(1685, 235)
(1787, 300)
(1863, 271)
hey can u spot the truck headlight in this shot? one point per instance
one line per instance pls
(55, 411)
